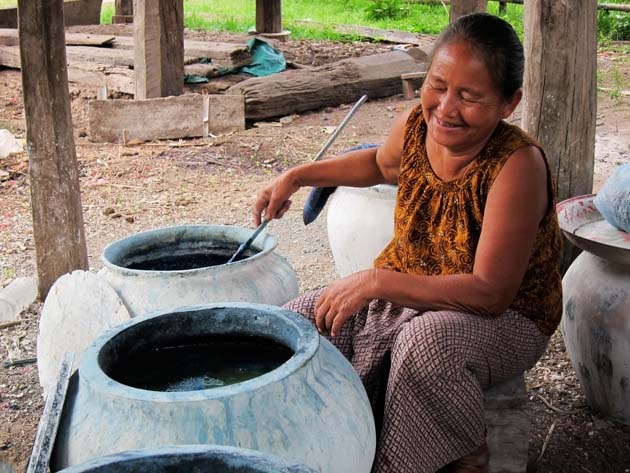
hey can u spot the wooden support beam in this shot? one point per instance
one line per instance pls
(121, 121)
(268, 16)
(464, 7)
(123, 11)
(58, 232)
(159, 47)
(269, 19)
(560, 90)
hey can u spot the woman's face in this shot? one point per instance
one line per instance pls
(460, 102)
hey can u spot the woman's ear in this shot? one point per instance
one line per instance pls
(510, 105)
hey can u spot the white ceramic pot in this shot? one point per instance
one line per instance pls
(596, 307)
(360, 224)
(310, 410)
(264, 276)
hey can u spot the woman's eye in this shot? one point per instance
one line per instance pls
(438, 87)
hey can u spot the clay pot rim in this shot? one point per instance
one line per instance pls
(265, 243)
(278, 324)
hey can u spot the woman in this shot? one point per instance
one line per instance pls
(468, 291)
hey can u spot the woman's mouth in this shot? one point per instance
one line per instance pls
(446, 124)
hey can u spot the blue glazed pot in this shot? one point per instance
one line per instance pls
(310, 410)
(186, 458)
(263, 277)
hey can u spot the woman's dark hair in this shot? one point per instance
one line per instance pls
(497, 43)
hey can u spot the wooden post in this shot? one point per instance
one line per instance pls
(268, 16)
(158, 48)
(269, 19)
(123, 11)
(55, 196)
(560, 95)
(464, 7)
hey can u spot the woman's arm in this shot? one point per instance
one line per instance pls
(515, 207)
(359, 168)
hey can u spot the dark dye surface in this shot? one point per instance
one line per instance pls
(181, 262)
(210, 363)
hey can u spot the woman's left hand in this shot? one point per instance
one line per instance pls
(342, 299)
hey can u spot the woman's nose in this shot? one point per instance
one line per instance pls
(448, 103)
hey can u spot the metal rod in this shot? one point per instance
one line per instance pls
(340, 127)
(247, 244)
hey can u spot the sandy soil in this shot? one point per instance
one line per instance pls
(213, 181)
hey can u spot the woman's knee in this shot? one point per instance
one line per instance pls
(422, 345)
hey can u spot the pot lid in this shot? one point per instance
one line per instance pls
(586, 228)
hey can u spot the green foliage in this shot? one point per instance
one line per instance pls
(613, 25)
(107, 12)
(386, 10)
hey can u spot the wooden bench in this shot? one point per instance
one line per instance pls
(508, 426)
(410, 82)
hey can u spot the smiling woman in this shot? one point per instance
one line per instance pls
(468, 291)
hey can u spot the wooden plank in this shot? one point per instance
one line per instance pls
(560, 91)
(9, 56)
(9, 37)
(505, 408)
(119, 79)
(119, 121)
(58, 231)
(343, 81)
(222, 54)
(49, 421)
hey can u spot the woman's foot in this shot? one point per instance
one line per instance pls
(477, 461)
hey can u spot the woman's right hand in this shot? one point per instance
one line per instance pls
(273, 200)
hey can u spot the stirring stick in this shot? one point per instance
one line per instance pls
(247, 244)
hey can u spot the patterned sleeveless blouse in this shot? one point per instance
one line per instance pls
(437, 224)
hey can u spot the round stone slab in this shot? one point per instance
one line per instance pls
(79, 307)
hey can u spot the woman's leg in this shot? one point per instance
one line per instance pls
(441, 362)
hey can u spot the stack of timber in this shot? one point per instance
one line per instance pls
(107, 61)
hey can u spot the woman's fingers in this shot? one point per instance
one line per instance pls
(321, 310)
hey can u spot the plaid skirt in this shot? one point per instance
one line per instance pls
(425, 372)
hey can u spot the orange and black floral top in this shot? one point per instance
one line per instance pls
(437, 224)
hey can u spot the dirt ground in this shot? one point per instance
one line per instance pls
(213, 181)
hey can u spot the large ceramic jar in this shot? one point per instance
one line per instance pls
(360, 224)
(596, 303)
(166, 268)
(310, 410)
(188, 458)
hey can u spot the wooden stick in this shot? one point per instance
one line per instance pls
(49, 422)
(10, 323)
(542, 450)
(556, 409)
(24, 361)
